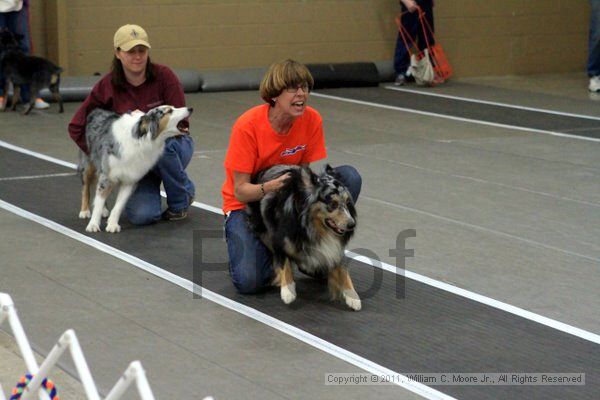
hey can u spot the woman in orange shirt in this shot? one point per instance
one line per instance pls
(283, 131)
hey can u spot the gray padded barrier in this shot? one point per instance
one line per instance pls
(224, 80)
(386, 70)
(190, 79)
(73, 88)
(325, 75)
(76, 88)
(344, 75)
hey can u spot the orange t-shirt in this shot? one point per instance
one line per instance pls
(254, 146)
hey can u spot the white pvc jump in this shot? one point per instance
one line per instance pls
(134, 372)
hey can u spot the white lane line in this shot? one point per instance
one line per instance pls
(25, 177)
(469, 120)
(37, 155)
(493, 103)
(451, 289)
(470, 178)
(561, 326)
(483, 229)
(266, 319)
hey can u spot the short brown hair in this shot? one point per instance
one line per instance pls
(281, 75)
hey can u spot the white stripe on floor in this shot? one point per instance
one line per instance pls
(25, 177)
(492, 103)
(470, 178)
(460, 119)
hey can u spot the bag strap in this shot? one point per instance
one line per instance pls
(426, 27)
(404, 33)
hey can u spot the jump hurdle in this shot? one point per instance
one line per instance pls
(134, 373)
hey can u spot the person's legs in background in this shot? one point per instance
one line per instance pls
(410, 22)
(427, 8)
(9, 21)
(27, 48)
(593, 64)
(18, 22)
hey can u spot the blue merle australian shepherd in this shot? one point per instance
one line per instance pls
(307, 223)
(123, 148)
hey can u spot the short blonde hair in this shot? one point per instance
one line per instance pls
(281, 75)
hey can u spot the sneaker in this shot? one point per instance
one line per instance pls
(41, 104)
(400, 80)
(594, 84)
(169, 215)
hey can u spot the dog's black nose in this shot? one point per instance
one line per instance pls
(350, 225)
(190, 109)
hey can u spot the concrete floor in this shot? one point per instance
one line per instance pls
(504, 213)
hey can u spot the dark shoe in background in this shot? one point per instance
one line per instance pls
(169, 215)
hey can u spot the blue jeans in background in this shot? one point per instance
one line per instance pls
(593, 65)
(17, 22)
(250, 261)
(144, 205)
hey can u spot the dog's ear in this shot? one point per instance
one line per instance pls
(147, 124)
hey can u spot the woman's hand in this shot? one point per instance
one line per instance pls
(246, 192)
(411, 5)
(276, 184)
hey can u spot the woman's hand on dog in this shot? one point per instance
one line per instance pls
(276, 184)
(247, 192)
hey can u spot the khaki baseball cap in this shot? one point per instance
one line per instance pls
(128, 36)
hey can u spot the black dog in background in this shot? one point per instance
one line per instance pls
(23, 69)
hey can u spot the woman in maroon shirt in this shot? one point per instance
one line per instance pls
(133, 84)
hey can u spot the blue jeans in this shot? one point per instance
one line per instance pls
(144, 205)
(250, 261)
(410, 22)
(17, 22)
(593, 65)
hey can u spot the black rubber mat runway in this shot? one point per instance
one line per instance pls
(425, 330)
(475, 111)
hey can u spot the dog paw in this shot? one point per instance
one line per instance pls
(85, 214)
(352, 300)
(93, 227)
(288, 293)
(105, 212)
(113, 227)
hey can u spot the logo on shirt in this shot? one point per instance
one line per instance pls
(292, 151)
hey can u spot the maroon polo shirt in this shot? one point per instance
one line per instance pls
(165, 88)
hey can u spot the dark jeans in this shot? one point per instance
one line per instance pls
(17, 22)
(593, 64)
(410, 22)
(250, 262)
